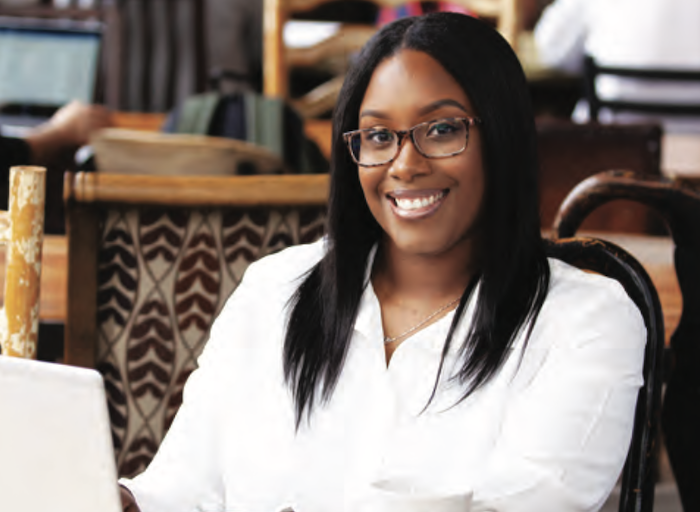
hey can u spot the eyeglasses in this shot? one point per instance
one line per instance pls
(441, 138)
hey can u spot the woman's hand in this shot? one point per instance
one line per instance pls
(128, 500)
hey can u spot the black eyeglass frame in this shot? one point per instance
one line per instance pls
(401, 135)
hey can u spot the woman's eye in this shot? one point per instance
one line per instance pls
(379, 137)
(442, 128)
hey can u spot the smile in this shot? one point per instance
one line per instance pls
(415, 205)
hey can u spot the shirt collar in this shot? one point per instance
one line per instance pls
(369, 315)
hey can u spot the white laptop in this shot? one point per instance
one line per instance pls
(55, 444)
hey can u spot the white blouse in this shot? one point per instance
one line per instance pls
(549, 432)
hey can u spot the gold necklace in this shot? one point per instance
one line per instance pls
(389, 339)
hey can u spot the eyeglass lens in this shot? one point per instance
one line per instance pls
(434, 139)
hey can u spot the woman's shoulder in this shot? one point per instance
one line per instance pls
(568, 281)
(262, 296)
(287, 266)
(585, 305)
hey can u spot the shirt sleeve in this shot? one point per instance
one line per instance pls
(560, 35)
(569, 421)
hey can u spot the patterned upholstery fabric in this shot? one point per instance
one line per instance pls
(164, 274)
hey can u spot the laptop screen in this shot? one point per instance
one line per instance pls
(48, 62)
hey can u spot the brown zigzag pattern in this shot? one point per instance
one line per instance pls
(282, 231)
(161, 235)
(243, 235)
(175, 400)
(312, 224)
(150, 362)
(197, 287)
(116, 402)
(117, 280)
(150, 355)
(138, 455)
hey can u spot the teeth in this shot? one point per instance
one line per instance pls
(414, 204)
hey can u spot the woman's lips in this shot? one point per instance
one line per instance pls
(416, 204)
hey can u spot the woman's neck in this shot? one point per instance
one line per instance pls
(417, 277)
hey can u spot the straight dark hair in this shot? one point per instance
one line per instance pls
(514, 276)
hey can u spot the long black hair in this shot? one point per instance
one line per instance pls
(514, 277)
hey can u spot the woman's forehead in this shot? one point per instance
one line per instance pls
(409, 82)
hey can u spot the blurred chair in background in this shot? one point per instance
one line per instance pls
(571, 152)
(659, 35)
(590, 254)
(678, 203)
(334, 51)
(669, 106)
(151, 261)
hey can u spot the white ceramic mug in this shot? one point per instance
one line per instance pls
(394, 497)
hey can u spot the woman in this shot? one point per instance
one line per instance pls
(427, 343)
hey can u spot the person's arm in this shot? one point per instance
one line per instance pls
(560, 35)
(568, 424)
(67, 130)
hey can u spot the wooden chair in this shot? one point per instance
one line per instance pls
(592, 70)
(22, 231)
(637, 486)
(334, 52)
(678, 203)
(571, 152)
(151, 261)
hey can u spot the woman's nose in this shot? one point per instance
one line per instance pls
(409, 162)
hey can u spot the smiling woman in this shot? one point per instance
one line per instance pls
(427, 343)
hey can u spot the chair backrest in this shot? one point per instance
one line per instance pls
(570, 152)
(151, 261)
(592, 70)
(638, 476)
(22, 231)
(678, 203)
(333, 53)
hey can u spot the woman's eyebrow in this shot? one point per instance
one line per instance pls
(373, 113)
(442, 103)
(422, 111)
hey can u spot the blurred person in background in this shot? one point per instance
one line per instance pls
(626, 33)
(57, 139)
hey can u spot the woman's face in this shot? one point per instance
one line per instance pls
(426, 206)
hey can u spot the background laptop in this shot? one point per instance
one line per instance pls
(45, 63)
(56, 451)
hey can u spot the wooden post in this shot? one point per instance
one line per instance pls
(23, 234)
(274, 66)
